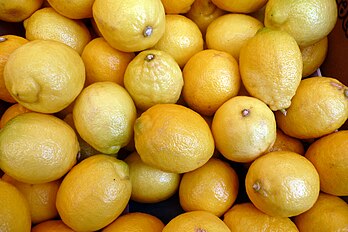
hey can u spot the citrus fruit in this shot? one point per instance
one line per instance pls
(211, 77)
(240, 6)
(55, 75)
(308, 21)
(197, 221)
(104, 115)
(104, 63)
(177, 7)
(40, 197)
(319, 107)
(173, 138)
(14, 209)
(243, 128)
(271, 67)
(18, 10)
(328, 155)
(246, 217)
(282, 184)
(51, 226)
(285, 142)
(329, 213)
(181, 39)
(136, 26)
(37, 148)
(203, 12)
(149, 184)
(313, 56)
(12, 112)
(212, 187)
(230, 32)
(136, 221)
(153, 77)
(8, 43)
(76, 9)
(47, 24)
(94, 193)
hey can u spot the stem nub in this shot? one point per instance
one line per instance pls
(256, 186)
(346, 92)
(149, 57)
(2, 39)
(245, 112)
(147, 31)
(284, 111)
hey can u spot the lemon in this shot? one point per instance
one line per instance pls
(153, 77)
(173, 138)
(244, 128)
(177, 7)
(47, 24)
(18, 10)
(94, 193)
(37, 148)
(271, 67)
(131, 25)
(14, 209)
(240, 6)
(104, 114)
(319, 107)
(54, 75)
(149, 184)
(51, 226)
(76, 9)
(308, 21)
(313, 56)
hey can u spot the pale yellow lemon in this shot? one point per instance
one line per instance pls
(177, 7)
(313, 56)
(94, 193)
(12, 112)
(76, 9)
(230, 32)
(18, 10)
(54, 75)
(308, 21)
(153, 77)
(14, 209)
(240, 6)
(271, 67)
(244, 128)
(131, 25)
(37, 148)
(47, 24)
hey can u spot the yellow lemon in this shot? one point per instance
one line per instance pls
(240, 6)
(230, 32)
(182, 38)
(14, 209)
(40, 197)
(285, 142)
(271, 67)
(328, 155)
(243, 128)
(282, 184)
(212, 187)
(329, 213)
(308, 21)
(211, 78)
(149, 184)
(246, 217)
(177, 7)
(104, 63)
(51, 226)
(137, 221)
(173, 138)
(319, 107)
(55, 75)
(47, 24)
(104, 114)
(12, 112)
(313, 56)
(198, 221)
(76, 9)
(203, 12)
(153, 77)
(37, 148)
(94, 193)
(18, 10)
(8, 43)
(131, 25)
